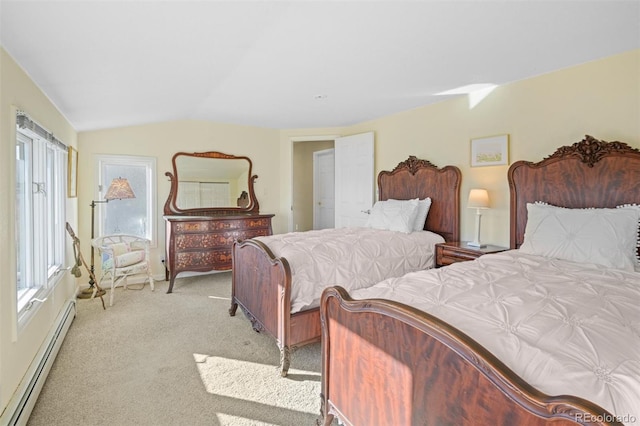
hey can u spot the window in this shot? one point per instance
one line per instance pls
(133, 216)
(41, 170)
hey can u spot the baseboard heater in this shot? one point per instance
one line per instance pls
(18, 411)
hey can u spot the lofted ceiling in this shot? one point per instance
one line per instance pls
(294, 64)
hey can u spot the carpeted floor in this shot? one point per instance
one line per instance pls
(175, 359)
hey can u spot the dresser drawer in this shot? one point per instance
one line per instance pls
(250, 233)
(191, 227)
(195, 227)
(457, 256)
(203, 259)
(444, 260)
(250, 223)
(201, 241)
(446, 255)
(216, 239)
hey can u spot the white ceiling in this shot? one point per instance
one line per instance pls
(263, 63)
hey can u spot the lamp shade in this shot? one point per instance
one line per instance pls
(478, 199)
(119, 190)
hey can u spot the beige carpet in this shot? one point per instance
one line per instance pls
(175, 359)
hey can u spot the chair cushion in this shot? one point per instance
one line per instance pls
(119, 248)
(130, 258)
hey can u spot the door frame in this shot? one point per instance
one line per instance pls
(292, 140)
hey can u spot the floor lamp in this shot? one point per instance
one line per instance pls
(478, 199)
(118, 190)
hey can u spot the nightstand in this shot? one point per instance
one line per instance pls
(459, 251)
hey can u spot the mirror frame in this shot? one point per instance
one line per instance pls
(170, 207)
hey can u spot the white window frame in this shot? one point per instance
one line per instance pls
(149, 163)
(41, 250)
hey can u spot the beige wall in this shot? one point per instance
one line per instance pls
(16, 352)
(600, 98)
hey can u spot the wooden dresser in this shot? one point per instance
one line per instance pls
(211, 204)
(203, 243)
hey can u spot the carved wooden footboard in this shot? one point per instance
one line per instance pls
(385, 363)
(263, 277)
(262, 289)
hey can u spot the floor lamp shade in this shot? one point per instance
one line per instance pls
(118, 190)
(478, 199)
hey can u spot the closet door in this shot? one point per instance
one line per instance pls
(324, 189)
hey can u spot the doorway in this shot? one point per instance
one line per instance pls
(302, 205)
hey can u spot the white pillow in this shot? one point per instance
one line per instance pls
(602, 236)
(393, 215)
(421, 213)
(637, 249)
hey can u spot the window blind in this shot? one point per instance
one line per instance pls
(25, 122)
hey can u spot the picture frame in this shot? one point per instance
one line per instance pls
(72, 173)
(490, 151)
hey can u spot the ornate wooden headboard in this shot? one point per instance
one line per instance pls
(589, 173)
(415, 178)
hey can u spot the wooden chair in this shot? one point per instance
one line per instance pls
(123, 256)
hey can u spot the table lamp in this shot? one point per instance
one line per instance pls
(478, 199)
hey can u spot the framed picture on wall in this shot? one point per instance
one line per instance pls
(72, 174)
(490, 151)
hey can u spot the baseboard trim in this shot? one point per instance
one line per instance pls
(19, 409)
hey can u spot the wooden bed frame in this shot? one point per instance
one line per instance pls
(261, 283)
(387, 363)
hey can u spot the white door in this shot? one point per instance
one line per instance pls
(354, 179)
(324, 189)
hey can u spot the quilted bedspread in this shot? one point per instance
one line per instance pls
(564, 327)
(350, 257)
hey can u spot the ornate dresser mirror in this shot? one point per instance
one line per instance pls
(210, 184)
(211, 204)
